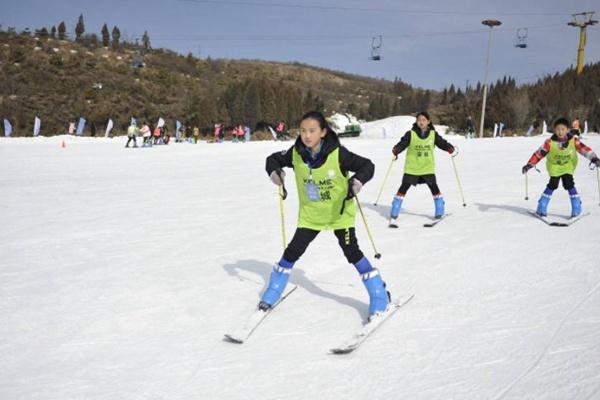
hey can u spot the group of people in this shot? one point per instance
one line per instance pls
(328, 176)
(240, 133)
(150, 137)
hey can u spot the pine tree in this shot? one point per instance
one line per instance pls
(53, 32)
(42, 33)
(116, 36)
(79, 28)
(105, 36)
(62, 31)
(146, 41)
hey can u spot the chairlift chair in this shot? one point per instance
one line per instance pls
(376, 43)
(521, 40)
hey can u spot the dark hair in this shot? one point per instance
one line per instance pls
(320, 118)
(425, 114)
(561, 121)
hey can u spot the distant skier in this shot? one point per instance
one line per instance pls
(132, 132)
(219, 133)
(247, 133)
(281, 130)
(419, 166)
(196, 135)
(146, 135)
(157, 134)
(576, 127)
(561, 150)
(470, 127)
(235, 134)
(325, 192)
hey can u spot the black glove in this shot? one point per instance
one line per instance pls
(526, 168)
(596, 161)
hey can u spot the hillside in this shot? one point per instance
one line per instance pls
(60, 80)
(57, 80)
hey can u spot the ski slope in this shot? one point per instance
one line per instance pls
(121, 270)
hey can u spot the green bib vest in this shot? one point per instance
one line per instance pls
(323, 214)
(419, 156)
(561, 161)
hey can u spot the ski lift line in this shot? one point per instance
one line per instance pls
(366, 9)
(335, 37)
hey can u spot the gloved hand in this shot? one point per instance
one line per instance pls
(355, 186)
(526, 168)
(596, 161)
(277, 177)
(453, 151)
(395, 152)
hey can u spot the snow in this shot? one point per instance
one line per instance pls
(392, 127)
(339, 121)
(122, 269)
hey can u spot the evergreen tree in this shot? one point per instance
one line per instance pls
(42, 33)
(62, 31)
(116, 37)
(79, 28)
(146, 41)
(53, 32)
(105, 36)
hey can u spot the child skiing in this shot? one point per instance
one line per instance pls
(132, 132)
(146, 135)
(419, 166)
(321, 165)
(561, 152)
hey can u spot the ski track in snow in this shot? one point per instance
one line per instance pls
(122, 269)
(544, 352)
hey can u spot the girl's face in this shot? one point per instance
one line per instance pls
(422, 122)
(311, 133)
(561, 131)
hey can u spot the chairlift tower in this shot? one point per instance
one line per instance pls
(582, 21)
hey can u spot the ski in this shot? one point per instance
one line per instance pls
(367, 329)
(256, 318)
(564, 223)
(436, 221)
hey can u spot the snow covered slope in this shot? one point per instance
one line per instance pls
(121, 269)
(391, 127)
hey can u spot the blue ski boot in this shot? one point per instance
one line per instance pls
(277, 282)
(379, 297)
(396, 206)
(542, 208)
(438, 201)
(575, 202)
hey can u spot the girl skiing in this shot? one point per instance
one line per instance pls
(419, 166)
(321, 165)
(561, 150)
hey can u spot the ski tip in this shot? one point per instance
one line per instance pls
(341, 351)
(232, 339)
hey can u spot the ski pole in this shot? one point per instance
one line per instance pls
(459, 185)
(598, 176)
(385, 180)
(282, 196)
(377, 254)
(526, 187)
(282, 215)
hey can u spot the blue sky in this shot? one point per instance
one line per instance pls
(424, 43)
